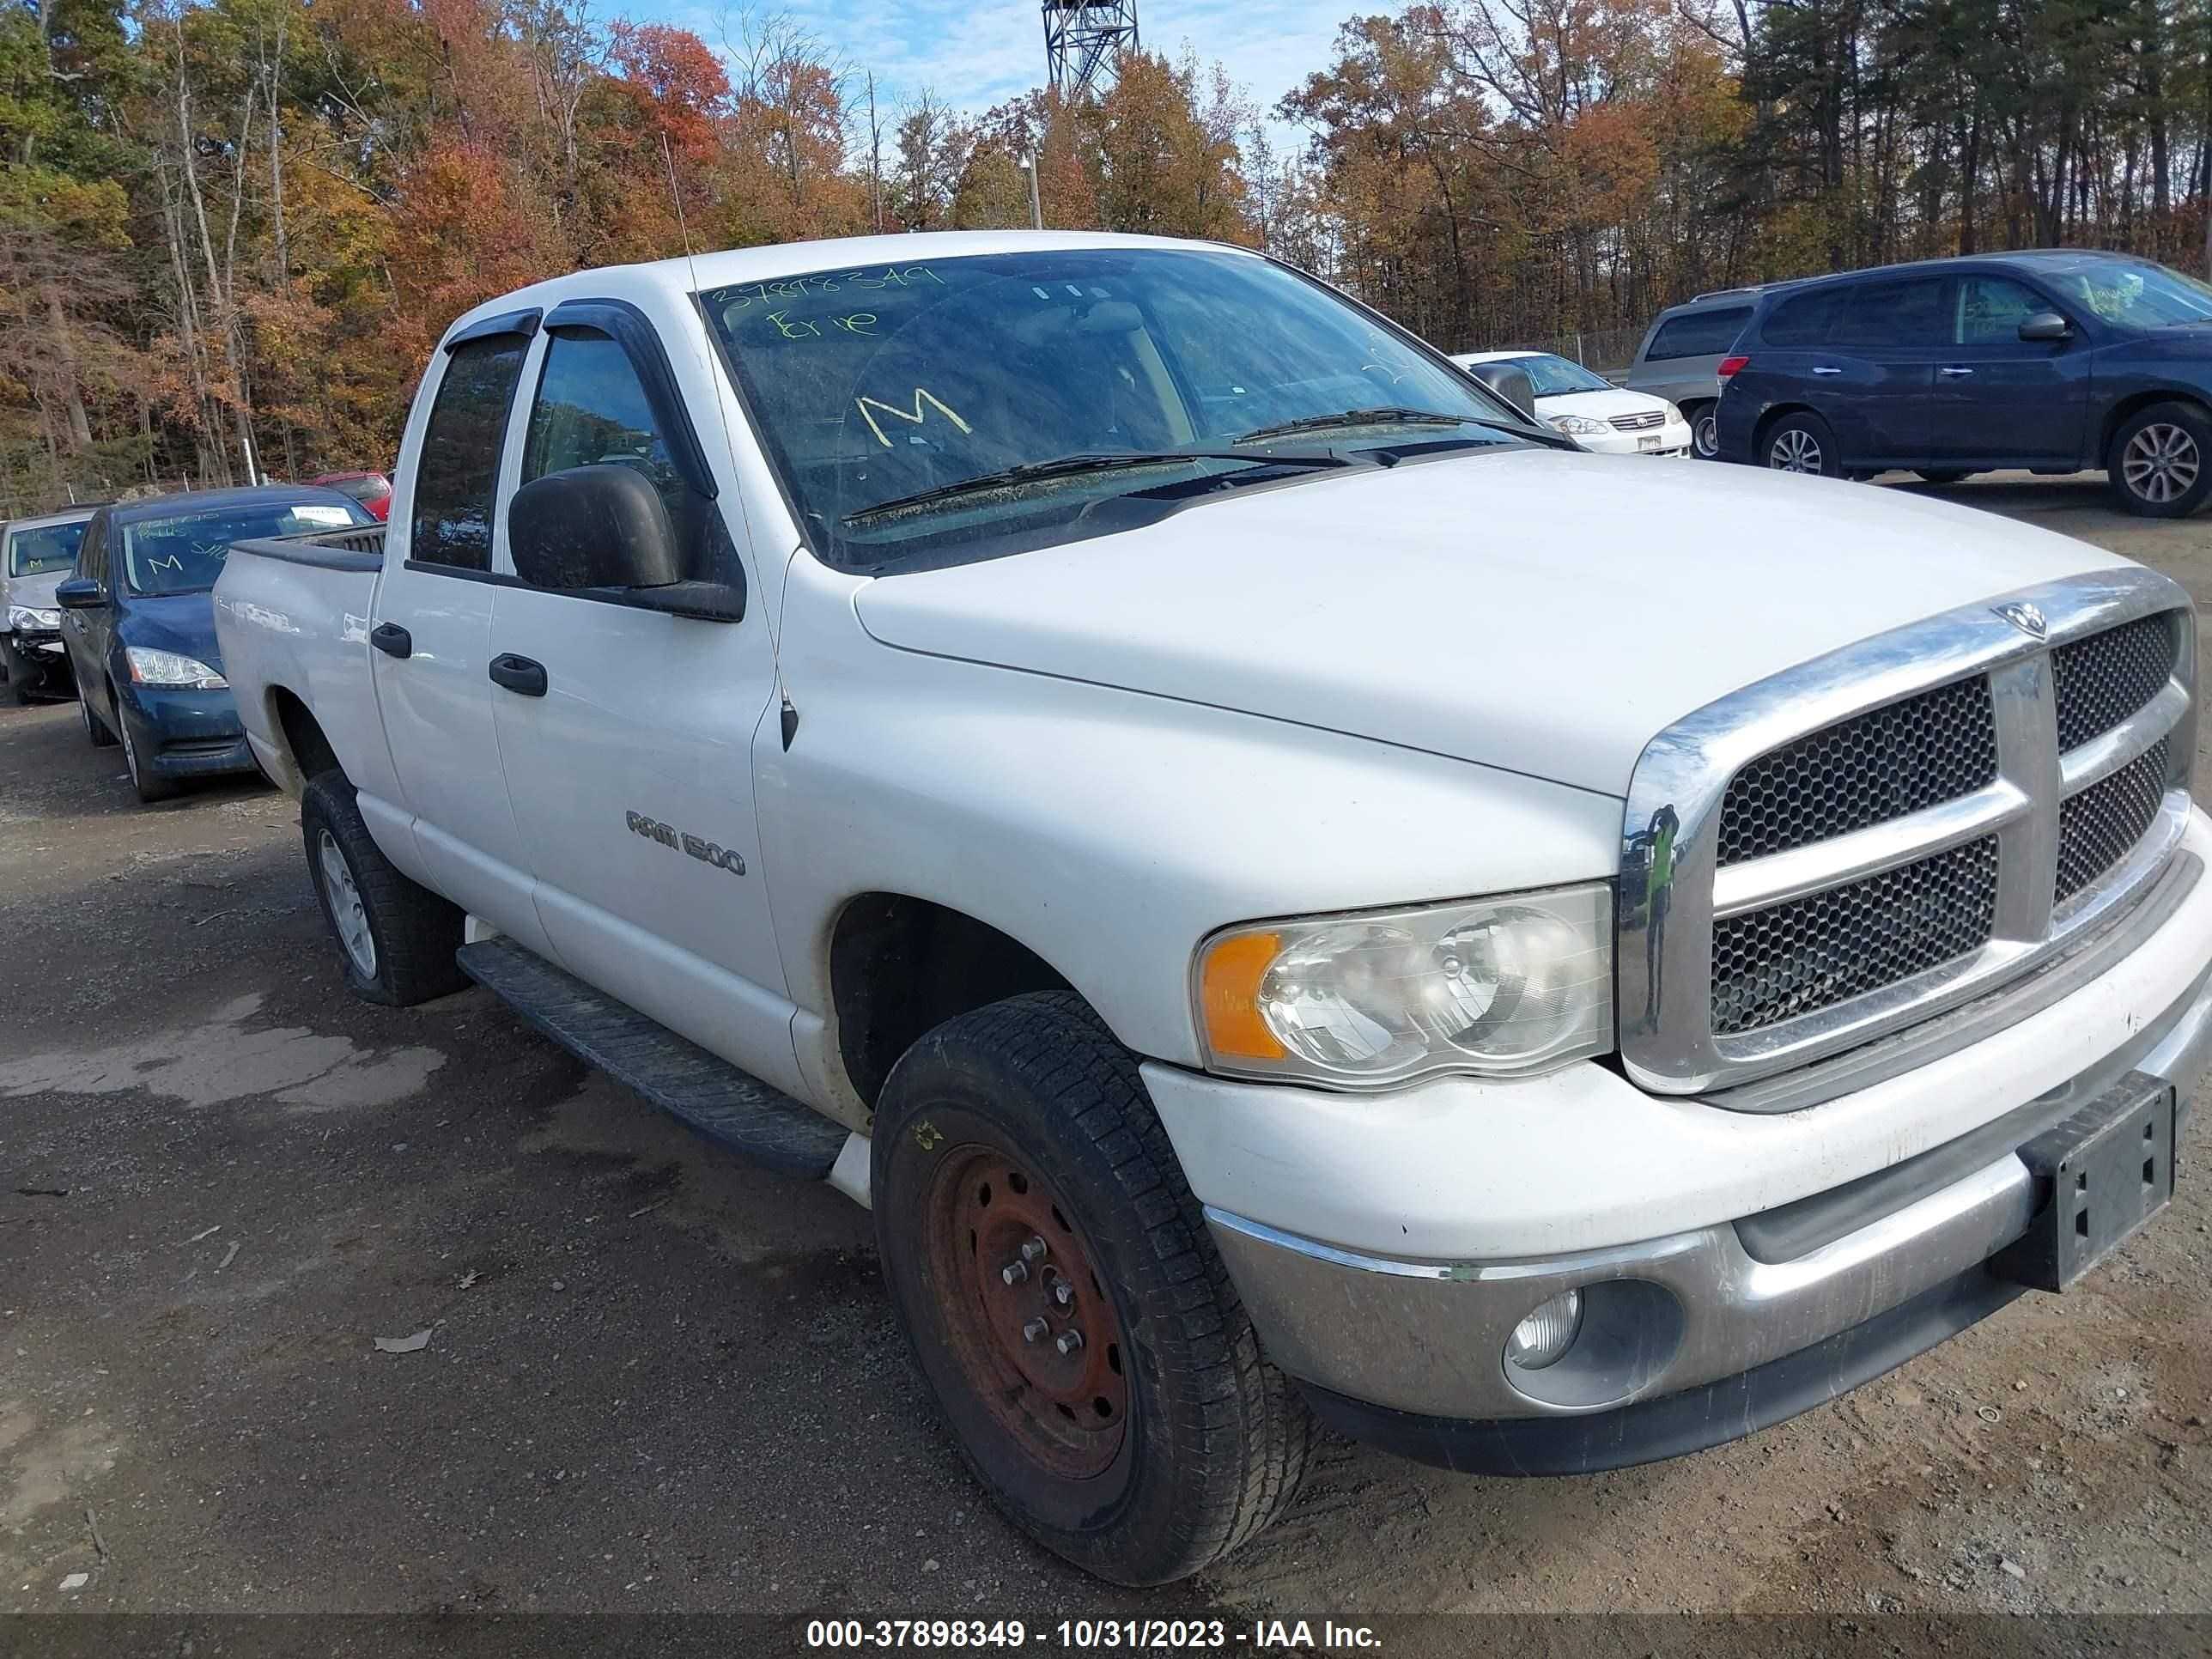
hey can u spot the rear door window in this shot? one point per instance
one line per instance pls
(1801, 320)
(1898, 313)
(458, 472)
(1698, 333)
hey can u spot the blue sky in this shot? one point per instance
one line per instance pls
(972, 53)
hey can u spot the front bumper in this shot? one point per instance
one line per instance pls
(183, 732)
(1671, 439)
(1690, 1339)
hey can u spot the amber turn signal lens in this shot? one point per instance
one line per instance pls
(1229, 997)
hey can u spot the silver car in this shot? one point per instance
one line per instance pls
(35, 555)
(1680, 356)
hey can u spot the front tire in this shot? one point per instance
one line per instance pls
(20, 674)
(396, 939)
(1063, 1298)
(1802, 442)
(152, 788)
(2160, 463)
(95, 729)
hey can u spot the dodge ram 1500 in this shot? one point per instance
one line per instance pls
(1293, 894)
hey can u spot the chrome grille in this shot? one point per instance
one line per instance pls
(1812, 953)
(1932, 748)
(2098, 826)
(2101, 681)
(1639, 423)
(1861, 842)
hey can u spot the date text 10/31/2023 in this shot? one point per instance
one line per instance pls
(1262, 1636)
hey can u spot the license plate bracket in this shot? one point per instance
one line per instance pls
(2105, 1172)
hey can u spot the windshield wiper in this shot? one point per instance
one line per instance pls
(1385, 416)
(1075, 465)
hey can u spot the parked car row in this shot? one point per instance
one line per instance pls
(115, 602)
(1190, 806)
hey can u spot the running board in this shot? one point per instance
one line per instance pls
(706, 1092)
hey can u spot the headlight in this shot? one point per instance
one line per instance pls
(1675, 413)
(24, 616)
(1504, 986)
(167, 668)
(1575, 425)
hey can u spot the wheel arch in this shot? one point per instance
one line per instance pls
(302, 749)
(2134, 404)
(901, 965)
(1772, 417)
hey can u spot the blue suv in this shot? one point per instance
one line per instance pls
(2055, 361)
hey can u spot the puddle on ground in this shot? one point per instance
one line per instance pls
(217, 1058)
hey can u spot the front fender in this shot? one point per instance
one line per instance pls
(1107, 830)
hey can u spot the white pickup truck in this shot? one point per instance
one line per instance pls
(1293, 892)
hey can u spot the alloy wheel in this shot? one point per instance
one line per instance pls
(348, 914)
(2160, 463)
(1795, 451)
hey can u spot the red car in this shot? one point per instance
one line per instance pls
(371, 490)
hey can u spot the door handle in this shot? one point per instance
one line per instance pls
(519, 675)
(1822, 368)
(1955, 374)
(392, 640)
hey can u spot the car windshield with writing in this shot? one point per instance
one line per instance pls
(1555, 377)
(40, 549)
(2138, 294)
(184, 554)
(963, 408)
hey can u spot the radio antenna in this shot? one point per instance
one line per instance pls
(668, 160)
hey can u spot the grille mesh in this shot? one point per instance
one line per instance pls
(2100, 682)
(2101, 825)
(1829, 947)
(1925, 751)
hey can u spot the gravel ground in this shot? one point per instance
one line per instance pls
(657, 1381)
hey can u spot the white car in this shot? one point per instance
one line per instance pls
(1595, 413)
(1288, 889)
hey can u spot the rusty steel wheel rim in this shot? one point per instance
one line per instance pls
(1027, 1315)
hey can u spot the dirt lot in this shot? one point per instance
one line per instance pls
(656, 1380)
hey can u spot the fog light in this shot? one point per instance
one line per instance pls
(1547, 1333)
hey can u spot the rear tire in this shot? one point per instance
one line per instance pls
(396, 939)
(1704, 430)
(2160, 463)
(1141, 1463)
(1800, 443)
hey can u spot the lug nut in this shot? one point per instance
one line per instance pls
(1014, 1272)
(1036, 1330)
(1069, 1342)
(1063, 1294)
(1032, 1250)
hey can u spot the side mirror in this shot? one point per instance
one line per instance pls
(2046, 325)
(80, 594)
(592, 526)
(1510, 383)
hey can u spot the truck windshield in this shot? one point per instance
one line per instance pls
(895, 384)
(38, 548)
(184, 554)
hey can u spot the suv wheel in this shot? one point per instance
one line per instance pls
(2159, 465)
(20, 673)
(1065, 1302)
(1704, 430)
(1802, 443)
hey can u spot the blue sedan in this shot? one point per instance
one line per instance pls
(139, 623)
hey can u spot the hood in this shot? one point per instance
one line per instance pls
(37, 590)
(1601, 406)
(183, 622)
(1529, 609)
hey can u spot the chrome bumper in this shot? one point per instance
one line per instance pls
(1661, 1317)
